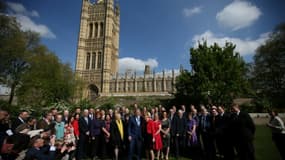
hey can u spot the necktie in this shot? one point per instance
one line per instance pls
(138, 121)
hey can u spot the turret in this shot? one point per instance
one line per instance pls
(147, 70)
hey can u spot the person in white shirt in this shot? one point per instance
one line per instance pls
(276, 125)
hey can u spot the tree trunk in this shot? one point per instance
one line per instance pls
(12, 93)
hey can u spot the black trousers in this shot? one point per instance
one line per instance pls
(279, 140)
(96, 146)
(225, 147)
(172, 144)
(83, 145)
(245, 149)
(209, 146)
(179, 146)
(135, 146)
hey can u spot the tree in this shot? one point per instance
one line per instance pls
(47, 81)
(14, 46)
(269, 68)
(218, 75)
(29, 69)
(186, 89)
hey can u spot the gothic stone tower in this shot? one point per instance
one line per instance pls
(98, 44)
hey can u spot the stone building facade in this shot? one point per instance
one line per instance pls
(98, 54)
(143, 85)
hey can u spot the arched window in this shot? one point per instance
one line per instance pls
(101, 29)
(90, 30)
(96, 29)
(88, 61)
(93, 92)
(93, 60)
(99, 63)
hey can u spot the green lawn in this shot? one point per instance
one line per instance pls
(264, 147)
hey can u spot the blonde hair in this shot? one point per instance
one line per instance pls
(118, 115)
(147, 114)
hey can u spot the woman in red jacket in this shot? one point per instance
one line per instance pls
(149, 139)
(156, 135)
(76, 126)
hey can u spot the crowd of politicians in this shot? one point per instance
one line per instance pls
(196, 132)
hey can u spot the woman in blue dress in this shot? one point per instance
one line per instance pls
(192, 140)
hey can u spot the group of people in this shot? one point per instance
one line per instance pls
(197, 133)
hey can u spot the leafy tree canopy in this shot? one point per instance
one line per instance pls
(269, 68)
(29, 69)
(217, 76)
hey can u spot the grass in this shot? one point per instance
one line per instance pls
(265, 149)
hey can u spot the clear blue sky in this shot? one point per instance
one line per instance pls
(156, 32)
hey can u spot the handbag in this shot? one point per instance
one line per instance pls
(6, 147)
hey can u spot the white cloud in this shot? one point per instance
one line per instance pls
(238, 14)
(188, 12)
(243, 46)
(134, 64)
(28, 24)
(34, 13)
(23, 17)
(18, 8)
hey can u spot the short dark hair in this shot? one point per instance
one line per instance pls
(222, 106)
(127, 115)
(46, 114)
(235, 105)
(29, 119)
(275, 111)
(22, 111)
(34, 139)
(76, 115)
(53, 108)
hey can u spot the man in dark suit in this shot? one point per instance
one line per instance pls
(172, 117)
(135, 132)
(84, 130)
(179, 131)
(243, 130)
(21, 119)
(206, 133)
(37, 151)
(65, 116)
(4, 126)
(223, 136)
(45, 122)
